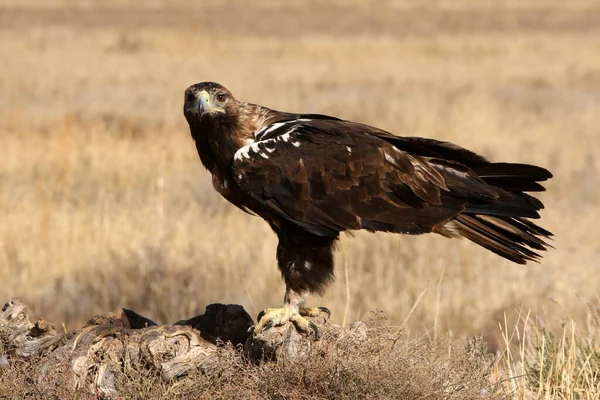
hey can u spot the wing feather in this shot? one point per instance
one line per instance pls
(327, 175)
(327, 179)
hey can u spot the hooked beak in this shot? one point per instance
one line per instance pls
(203, 102)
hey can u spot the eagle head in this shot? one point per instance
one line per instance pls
(208, 101)
(219, 123)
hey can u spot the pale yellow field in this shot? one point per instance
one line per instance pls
(104, 202)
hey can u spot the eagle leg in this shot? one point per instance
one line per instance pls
(293, 311)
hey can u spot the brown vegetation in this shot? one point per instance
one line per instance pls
(104, 204)
(124, 355)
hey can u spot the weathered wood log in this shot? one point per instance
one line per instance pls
(110, 345)
(22, 337)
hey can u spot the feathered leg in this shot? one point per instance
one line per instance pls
(306, 264)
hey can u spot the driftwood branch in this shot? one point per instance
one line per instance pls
(112, 344)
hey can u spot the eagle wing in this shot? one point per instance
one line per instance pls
(329, 175)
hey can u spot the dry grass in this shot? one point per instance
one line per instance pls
(104, 204)
(564, 364)
(375, 362)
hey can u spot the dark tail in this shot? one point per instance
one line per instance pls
(501, 225)
(497, 208)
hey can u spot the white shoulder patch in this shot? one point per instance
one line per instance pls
(269, 128)
(265, 148)
(247, 150)
(272, 127)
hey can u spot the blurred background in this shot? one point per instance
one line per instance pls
(104, 203)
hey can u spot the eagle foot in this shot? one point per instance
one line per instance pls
(280, 316)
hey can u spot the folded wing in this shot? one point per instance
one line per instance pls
(328, 175)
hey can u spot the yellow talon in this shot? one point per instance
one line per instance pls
(271, 317)
(280, 316)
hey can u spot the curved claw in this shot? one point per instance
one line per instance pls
(315, 330)
(260, 315)
(268, 326)
(251, 328)
(326, 311)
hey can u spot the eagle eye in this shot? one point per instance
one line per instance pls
(221, 97)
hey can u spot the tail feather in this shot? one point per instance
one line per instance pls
(515, 246)
(496, 203)
(533, 228)
(513, 171)
(515, 184)
(501, 225)
(502, 210)
(507, 204)
(513, 231)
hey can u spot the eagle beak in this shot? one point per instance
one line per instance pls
(205, 105)
(203, 101)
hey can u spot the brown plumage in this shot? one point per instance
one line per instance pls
(312, 176)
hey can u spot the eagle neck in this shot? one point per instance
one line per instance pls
(214, 143)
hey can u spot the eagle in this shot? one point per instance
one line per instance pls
(312, 176)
